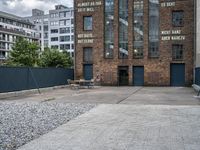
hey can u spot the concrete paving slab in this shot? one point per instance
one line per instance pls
(115, 95)
(163, 96)
(126, 127)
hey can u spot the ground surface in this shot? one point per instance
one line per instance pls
(126, 127)
(25, 121)
(116, 95)
(139, 118)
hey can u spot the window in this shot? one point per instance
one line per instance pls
(65, 46)
(123, 29)
(68, 22)
(138, 29)
(45, 35)
(54, 39)
(72, 38)
(62, 22)
(54, 46)
(72, 30)
(64, 38)
(87, 23)
(54, 23)
(54, 15)
(87, 55)
(72, 21)
(54, 31)
(153, 52)
(46, 43)
(64, 30)
(62, 14)
(2, 45)
(177, 52)
(2, 54)
(72, 13)
(72, 46)
(46, 28)
(177, 18)
(2, 36)
(109, 28)
(154, 28)
(138, 50)
(72, 54)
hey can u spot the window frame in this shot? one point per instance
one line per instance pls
(149, 42)
(84, 23)
(89, 61)
(105, 43)
(176, 11)
(119, 32)
(175, 58)
(133, 37)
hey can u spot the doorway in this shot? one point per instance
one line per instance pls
(123, 77)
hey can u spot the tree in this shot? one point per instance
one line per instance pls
(55, 58)
(24, 53)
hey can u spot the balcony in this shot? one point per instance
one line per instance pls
(22, 33)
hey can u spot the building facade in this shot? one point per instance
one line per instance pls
(135, 42)
(56, 28)
(41, 22)
(11, 27)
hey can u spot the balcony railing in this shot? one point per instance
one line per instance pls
(19, 32)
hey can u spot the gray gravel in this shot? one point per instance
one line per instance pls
(23, 122)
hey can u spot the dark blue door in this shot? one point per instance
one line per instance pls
(88, 71)
(138, 76)
(177, 75)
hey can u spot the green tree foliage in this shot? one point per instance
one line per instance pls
(54, 58)
(24, 53)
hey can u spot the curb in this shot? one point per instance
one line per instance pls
(28, 92)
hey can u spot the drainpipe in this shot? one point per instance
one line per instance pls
(195, 38)
(74, 39)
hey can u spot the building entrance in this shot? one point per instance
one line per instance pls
(123, 76)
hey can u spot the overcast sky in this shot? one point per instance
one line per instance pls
(24, 7)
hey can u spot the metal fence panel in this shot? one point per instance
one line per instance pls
(24, 78)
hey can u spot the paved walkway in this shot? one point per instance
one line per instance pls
(126, 127)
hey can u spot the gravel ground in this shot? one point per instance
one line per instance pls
(23, 122)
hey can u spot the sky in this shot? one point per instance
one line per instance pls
(24, 7)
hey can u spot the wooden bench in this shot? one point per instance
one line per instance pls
(88, 83)
(73, 85)
(196, 88)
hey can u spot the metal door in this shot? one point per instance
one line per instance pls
(88, 71)
(177, 75)
(138, 75)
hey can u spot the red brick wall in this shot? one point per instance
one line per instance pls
(157, 71)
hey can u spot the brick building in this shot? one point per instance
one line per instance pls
(135, 42)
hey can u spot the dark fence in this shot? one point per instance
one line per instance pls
(197, 76)
(24, 78)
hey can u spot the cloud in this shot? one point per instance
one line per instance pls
(24, 7)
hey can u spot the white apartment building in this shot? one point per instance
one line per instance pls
(56, 28)
(11, 27)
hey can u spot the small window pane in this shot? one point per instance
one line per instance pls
(177, 52)
(88, 23)
(109, 28)
(87, 55)
(177, 18)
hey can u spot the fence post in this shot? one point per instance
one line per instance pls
(35, 81)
